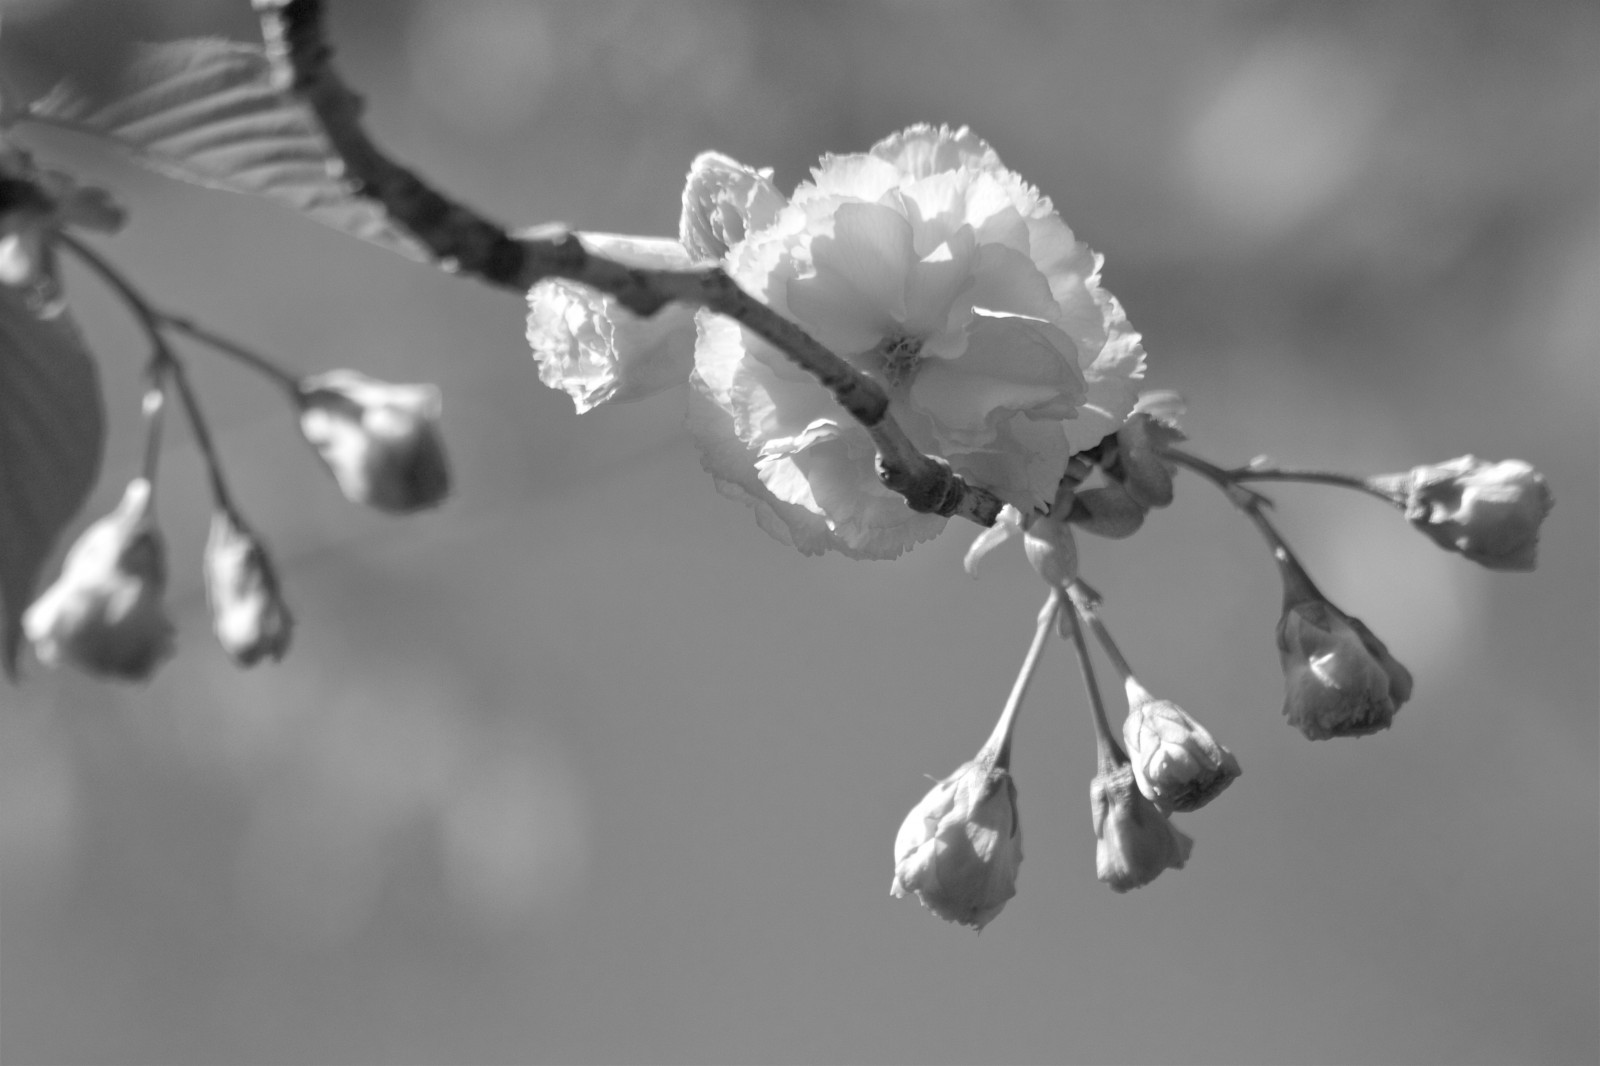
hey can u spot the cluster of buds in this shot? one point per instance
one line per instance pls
(105, 615)
(959, 848)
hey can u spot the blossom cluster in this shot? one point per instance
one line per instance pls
(928, 266)
(105, 612)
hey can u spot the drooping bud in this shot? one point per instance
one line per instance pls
(379, 440)
(1339, 679)
(959, 849)
(1048, 542)
(1108, 511)
(1176, 763)
(1138, 464)
(1489, 512)
(1135, 840)
(1007, 524)
(596, 350)
(247, 610)
(722, 201)
(104, 613)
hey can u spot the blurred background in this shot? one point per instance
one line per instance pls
(586, 768)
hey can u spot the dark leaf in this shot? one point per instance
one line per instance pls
(52, 429)
(206, 111)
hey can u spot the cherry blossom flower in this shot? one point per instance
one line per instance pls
(931, 267)
(1339, 679)
(379, 440)
(959, 848)
(1176, 763)
(104, 613)
(247, 611)
(1134, 840)
(596, 350)
(1489, 512)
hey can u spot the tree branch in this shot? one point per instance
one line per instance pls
(465, 242)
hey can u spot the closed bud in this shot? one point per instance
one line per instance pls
(1339, 679)
(1135, 841)
(1139, 464)
(1108, 511)
(380, 441)
(247, 611)
(1489, 512)
(959, 849)
(596, 350)
(1048, 542)
(722, 201)
(104, 613)
(1176, 763)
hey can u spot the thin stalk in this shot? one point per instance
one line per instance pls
(1267, 473)
(166, 368)
(154, 406)
(1297, 584)
(254, 360)
(1087, 608)
(1109, 754)
(997, 749)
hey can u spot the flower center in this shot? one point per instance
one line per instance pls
(898, 356)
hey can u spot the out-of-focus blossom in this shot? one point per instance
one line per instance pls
(959, 849)
(1145, 475)
(247, 610)
(1489, 512)
(931, 267)
(598, 351)
(1340, 680)
(722, 201)
(1135, 840)
(1176, 763)
(379, 440)
(104, 613)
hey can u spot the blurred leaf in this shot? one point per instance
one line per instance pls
(206, 111)
(52, 429)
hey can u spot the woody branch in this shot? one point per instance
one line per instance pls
(457, 235)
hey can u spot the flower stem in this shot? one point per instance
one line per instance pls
(997, 749)
(166, 368)
(1087, 605)
(1240, 474)
(154, 406)
(1108, 752)
(1297, 584)
(252, 359)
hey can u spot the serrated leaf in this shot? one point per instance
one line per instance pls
(205, 111)
(52, 432)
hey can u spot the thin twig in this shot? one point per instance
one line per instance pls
(468, 243)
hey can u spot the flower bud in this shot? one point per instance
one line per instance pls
(380, 441)
(1108, 511)
(104, 612)
(1489, 512)
(1139, 465)
(1176, 763)
(1048, 542)
(596, 350)
(959, 849)
(1340, 680)
(1135, 840)
(722, 201)
(247, 611)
